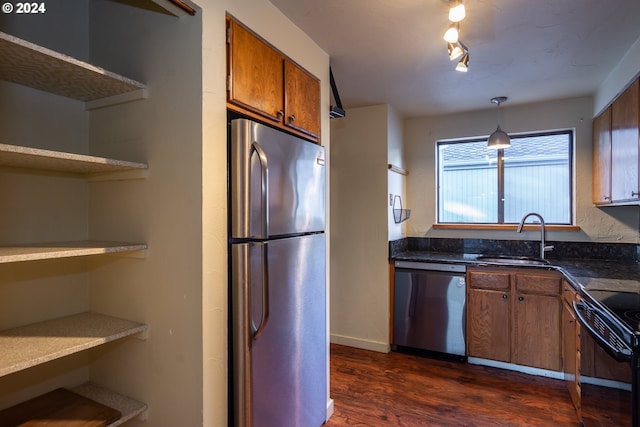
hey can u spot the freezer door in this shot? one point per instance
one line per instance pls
(279, 332)
(277, 183)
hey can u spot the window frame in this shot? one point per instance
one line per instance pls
(571, 225)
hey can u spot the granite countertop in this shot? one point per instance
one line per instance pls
(587, 274)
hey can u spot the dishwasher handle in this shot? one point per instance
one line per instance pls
(432, 266)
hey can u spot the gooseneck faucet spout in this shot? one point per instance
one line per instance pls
(543, 247)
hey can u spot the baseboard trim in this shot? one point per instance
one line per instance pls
(380, 347)
(518, 368)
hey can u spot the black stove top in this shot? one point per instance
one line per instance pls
(624, 305)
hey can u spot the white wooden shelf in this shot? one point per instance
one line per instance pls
(35, 252)
(35, 158)
(31, 345)
(40, 68)
(128, 407)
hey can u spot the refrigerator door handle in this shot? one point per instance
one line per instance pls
(264, 188)
(264, 317)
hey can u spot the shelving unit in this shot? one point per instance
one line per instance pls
(24, 347)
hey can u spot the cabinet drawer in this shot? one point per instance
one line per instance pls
(489, 280)
(539, 284)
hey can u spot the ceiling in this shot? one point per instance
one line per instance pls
(392, 51)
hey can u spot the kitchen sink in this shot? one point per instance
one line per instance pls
(512, 260)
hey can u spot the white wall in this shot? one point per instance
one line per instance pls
(619, 224)
(359, 272)
(618, 79)
(396, 183)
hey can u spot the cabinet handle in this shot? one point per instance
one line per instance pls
(292, 118)
(607, 198)
(504, 296)
(521, 299)
(280, 114)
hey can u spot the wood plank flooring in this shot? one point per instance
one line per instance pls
(376, 389)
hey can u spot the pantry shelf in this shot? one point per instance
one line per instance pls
(48, 160)
(31, 65)
(128, 407)
(31, 345)
(35, 252)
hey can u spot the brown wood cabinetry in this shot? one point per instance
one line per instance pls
(513, 315)
(488, 315)
(615, 150)
(264, 84)
(602, 158)
(571, 346)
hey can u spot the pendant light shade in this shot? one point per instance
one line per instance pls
(499, 139)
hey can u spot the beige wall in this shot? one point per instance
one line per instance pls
(619, 224)
(359, 272)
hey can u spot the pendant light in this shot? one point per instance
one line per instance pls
(498, 139)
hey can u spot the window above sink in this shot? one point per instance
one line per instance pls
(480, 186)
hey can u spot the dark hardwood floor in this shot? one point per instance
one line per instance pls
(376, 389)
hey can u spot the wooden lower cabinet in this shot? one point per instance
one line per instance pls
(571, 352)
(537, 332)
(488, 324)
(514, 316)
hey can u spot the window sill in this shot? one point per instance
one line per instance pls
(553, 227)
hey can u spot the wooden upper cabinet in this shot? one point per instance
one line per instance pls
(301, 100)
(616, 138)
(625, 114)
(262, 83)
(602, 158)
(256, 74)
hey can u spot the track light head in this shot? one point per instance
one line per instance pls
(456, 11)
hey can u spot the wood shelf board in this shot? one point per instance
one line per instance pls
(35, 252)
(31, 65)
(128, 407)
(31, 345)
(35, 158)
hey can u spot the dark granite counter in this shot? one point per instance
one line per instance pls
(587, 266)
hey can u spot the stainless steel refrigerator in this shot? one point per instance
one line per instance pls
(278, 280)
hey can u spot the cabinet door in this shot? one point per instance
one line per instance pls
(624, 145)
(488, 324)
(256, 74)
(302, 100)
(537, 331)
(571, 355)
(602, 158)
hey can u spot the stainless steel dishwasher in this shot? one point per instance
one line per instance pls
(429, 307)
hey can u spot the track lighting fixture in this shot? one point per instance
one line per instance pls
(499, 139)
(455, 47)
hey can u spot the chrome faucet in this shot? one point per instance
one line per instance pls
(543, 247)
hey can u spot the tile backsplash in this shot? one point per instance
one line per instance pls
(561, 250)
